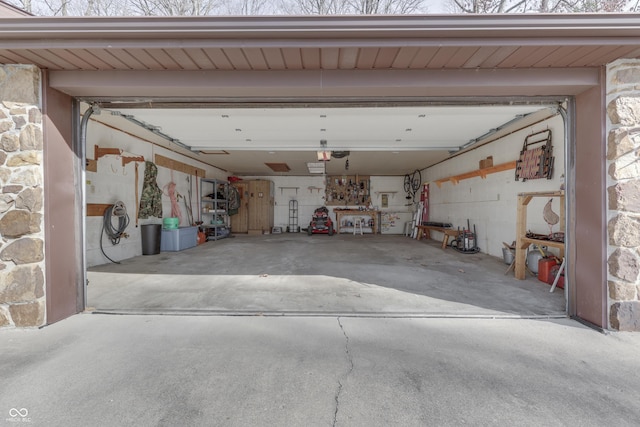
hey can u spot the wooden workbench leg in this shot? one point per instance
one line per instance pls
(520, 263)
(521, 231)
(445, 241)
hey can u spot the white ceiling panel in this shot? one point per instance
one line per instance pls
(382, 140)
(353, 128)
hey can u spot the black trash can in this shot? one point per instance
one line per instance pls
(151, 235)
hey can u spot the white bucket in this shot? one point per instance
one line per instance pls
(507, 255)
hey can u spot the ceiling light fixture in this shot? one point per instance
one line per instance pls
(323, 154)
(316, 167)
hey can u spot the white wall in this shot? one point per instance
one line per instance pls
(491, 203)
(113, 182)
(397, 213)
(310, 198)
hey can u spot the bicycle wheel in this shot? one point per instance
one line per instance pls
(407, 183)
(416, 181)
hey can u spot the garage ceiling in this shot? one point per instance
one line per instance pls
(381, 140)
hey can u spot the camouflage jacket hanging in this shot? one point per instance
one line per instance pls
(151, 198)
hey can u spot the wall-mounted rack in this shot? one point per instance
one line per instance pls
(378, 193)
(348, 190)
(288, 188)
(482, 173)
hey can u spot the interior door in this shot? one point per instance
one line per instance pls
(240, 221)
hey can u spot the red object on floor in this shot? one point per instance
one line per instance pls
(544, 269)
(553, 274)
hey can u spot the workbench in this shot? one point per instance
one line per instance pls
(425, 230)
(356, 213)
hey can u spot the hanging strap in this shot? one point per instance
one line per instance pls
(198, 198)
(137, 196)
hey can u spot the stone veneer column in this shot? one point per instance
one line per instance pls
(22, 298)
(623, 110)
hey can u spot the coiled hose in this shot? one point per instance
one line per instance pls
(114, 233)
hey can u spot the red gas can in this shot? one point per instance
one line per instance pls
(554, 273)
(544, 269)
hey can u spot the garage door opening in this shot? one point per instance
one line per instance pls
(466, 155)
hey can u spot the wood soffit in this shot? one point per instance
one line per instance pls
(320, 43)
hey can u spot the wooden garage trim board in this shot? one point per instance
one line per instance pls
(179, 166)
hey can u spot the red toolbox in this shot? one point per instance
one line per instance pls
(544, 269)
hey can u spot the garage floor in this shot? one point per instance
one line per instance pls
(292, 273)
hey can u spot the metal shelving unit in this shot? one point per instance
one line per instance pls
(214, 208)
(293, 216)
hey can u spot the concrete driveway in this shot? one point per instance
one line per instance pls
(154, 370)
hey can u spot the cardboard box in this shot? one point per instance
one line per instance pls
(486, 163)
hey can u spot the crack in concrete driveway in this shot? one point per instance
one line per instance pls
(346, 374)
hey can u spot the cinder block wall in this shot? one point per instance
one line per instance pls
(22, 287)
(623, 126)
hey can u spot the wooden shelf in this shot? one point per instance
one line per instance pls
(126, 158)
(482, 173)
(522, 241)
(529, 196)
(97, 209)
(526, 241)
(179, 166)
(288, 188)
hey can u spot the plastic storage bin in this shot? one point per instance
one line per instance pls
(179, 239)
(170, 223)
